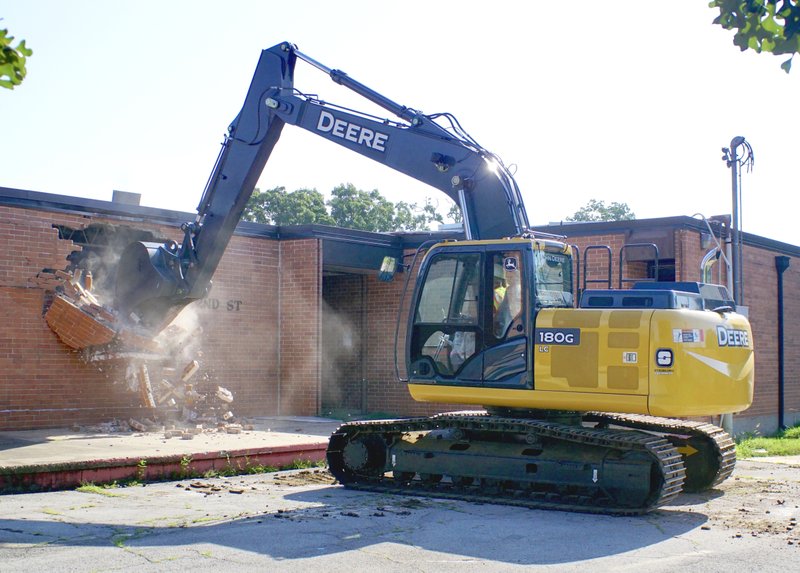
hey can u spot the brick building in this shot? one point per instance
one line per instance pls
(297, 322)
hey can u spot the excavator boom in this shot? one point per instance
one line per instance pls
(155, 281)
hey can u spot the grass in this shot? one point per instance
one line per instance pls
(103, 489)
(783, 443)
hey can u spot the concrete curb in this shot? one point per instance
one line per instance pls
(67, 475)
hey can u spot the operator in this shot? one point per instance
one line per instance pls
(500, 310)
(500, 287)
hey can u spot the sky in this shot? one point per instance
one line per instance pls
(628, 101)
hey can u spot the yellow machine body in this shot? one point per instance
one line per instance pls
(661, 362)
(670, 362)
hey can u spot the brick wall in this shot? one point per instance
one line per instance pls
(759, 294)
(45, 383)
(239, 345)
(594, 267)
(791, 319)
(300, 326)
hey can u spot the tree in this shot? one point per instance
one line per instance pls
(414, 218)
(454, 214)
(596, 210)
(277, 207)
(762, 25)
(353, 208)
(348, 207)
(12, 61)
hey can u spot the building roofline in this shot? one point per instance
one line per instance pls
(400, 240)
(51, 202)
(569, 228)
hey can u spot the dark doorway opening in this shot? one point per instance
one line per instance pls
(343, 385)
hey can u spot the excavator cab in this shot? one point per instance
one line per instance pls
(474, 308)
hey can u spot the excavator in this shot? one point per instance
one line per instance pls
(581, 403)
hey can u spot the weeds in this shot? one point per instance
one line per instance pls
(141, 469)
(230, 469)
(783, 443)
(103, 489)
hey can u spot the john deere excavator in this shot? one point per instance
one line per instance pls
(580, 400)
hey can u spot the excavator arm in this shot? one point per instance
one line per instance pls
(156, 280)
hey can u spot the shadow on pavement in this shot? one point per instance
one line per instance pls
(335, 520)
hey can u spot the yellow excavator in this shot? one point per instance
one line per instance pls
(580, 400)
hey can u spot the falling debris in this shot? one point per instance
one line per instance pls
(77, 316)
(145, 388)
(176, 396)
(224, 394)
(190, 370)
(76, 328)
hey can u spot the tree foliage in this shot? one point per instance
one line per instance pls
(454, 214)
(596, 210)
(277, 207)
(12, 61)
(348, 207)
(762, 25)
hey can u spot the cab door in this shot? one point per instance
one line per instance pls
(446, 330)
(469, 324)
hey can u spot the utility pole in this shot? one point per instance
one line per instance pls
(735, 161)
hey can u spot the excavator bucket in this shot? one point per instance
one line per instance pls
(150, 291)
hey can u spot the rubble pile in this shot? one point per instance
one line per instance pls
(181, 401)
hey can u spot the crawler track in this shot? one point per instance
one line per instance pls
(709, 453)
(517, 461)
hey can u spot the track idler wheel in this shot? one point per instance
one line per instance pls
(701, 461)
(356, 458)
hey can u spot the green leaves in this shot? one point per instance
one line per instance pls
(277, 207)
(12, 61)
(762, 25)
(349, 207)
(596, 210)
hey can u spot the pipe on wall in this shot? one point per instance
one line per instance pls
(781, 264)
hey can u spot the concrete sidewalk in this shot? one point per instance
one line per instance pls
(36, 460)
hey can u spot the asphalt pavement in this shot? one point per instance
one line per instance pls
(302, 521)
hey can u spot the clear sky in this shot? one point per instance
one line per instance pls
(625, 101)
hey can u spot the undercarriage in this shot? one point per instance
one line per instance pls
(586, 462)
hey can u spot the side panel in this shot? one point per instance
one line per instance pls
(592, 351)
(583, 360)
(702, 363)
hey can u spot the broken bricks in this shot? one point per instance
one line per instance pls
(190, 370)
(224, 394)
(75, 315)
